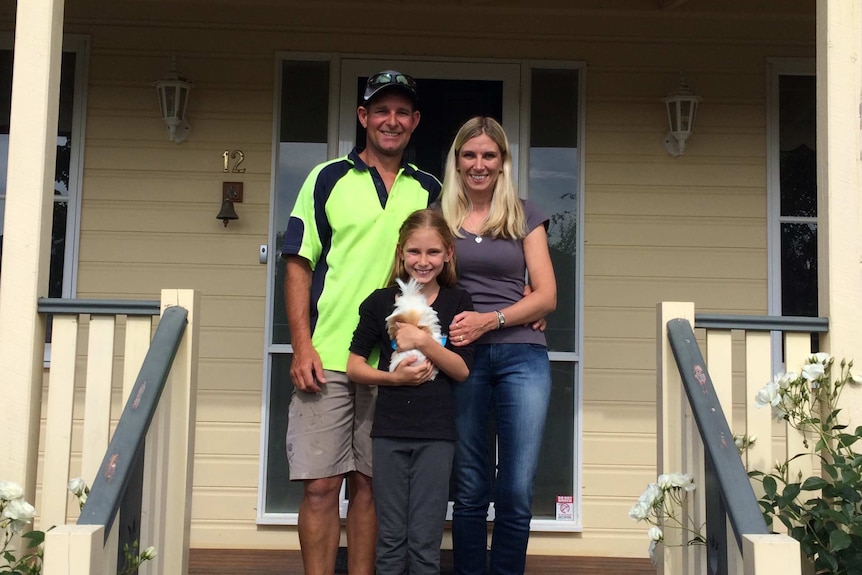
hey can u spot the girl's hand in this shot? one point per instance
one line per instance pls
(411, 372)
(409, 336)
(539, 325)
(468, 326)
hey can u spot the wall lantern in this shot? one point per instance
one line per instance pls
(681, 110)
(173, 99)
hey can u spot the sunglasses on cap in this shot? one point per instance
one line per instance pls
(386, 78)
(389, 80)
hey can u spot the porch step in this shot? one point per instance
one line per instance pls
(280, 562)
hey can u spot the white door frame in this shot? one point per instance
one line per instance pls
(507, 73)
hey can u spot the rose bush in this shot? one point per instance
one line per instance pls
(15, 514)
(661, 506)
(823, 512)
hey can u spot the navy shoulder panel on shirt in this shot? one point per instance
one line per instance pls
(430, 183)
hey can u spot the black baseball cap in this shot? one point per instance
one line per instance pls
(390, 80)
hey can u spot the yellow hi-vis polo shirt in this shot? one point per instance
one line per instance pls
(346, 225)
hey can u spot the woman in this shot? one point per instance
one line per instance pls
(500, 239)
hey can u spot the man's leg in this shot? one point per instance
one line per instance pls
(361, 525)
(361, 519)
(319, 525)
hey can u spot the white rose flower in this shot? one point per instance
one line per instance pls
(149, 553)
(639, 511)
(77, 486)
(822, 358)
(780, 411)
(683, 480)
(813, 371)
(655, 534)
(652, 495)
(670, 480)
(19, 513)
(9, 491)
(857, 379)
(769, 394)
(785, 379)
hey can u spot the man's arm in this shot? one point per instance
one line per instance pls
(306, 370)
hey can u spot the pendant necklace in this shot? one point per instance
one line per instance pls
(478, 237)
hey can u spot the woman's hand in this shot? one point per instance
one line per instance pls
(540, 324)
(468, 326)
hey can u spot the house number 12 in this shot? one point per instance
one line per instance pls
(237, 155)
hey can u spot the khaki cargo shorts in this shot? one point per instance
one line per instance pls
(329, 433)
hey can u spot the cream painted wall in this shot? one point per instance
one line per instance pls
(656, 228)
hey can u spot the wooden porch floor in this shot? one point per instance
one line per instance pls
(273, 562)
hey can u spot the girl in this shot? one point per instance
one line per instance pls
(413, 434)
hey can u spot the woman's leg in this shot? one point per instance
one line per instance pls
(430, 468)
(471, 471)
(391, 489)
(522, 390)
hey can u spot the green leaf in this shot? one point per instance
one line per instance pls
(35, 538)
(814, 483)
(830, 561)
(834, 515)
(847, 440)
(769, 486)
(791, 491)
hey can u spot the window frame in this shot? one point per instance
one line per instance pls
(777, 67)
(78, 44)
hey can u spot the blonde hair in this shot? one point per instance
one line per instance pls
(506, 218)
(418, 220)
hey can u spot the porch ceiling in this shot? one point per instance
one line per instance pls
(176, 9)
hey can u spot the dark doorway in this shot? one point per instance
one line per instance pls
(445, 105)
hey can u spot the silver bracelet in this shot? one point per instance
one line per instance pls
(501, 319)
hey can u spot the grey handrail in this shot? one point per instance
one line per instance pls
(783, 323)
(127, 442)
(98, 306)
(728, 487)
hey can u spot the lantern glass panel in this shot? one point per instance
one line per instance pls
(182, 99)
(171, 101)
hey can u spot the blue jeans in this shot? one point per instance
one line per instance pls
(512, 381)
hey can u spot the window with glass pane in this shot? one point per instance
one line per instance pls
(59, 245)
(798, 181)
(302, 145)
(553, 185)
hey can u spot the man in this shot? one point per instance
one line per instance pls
(339, 245)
